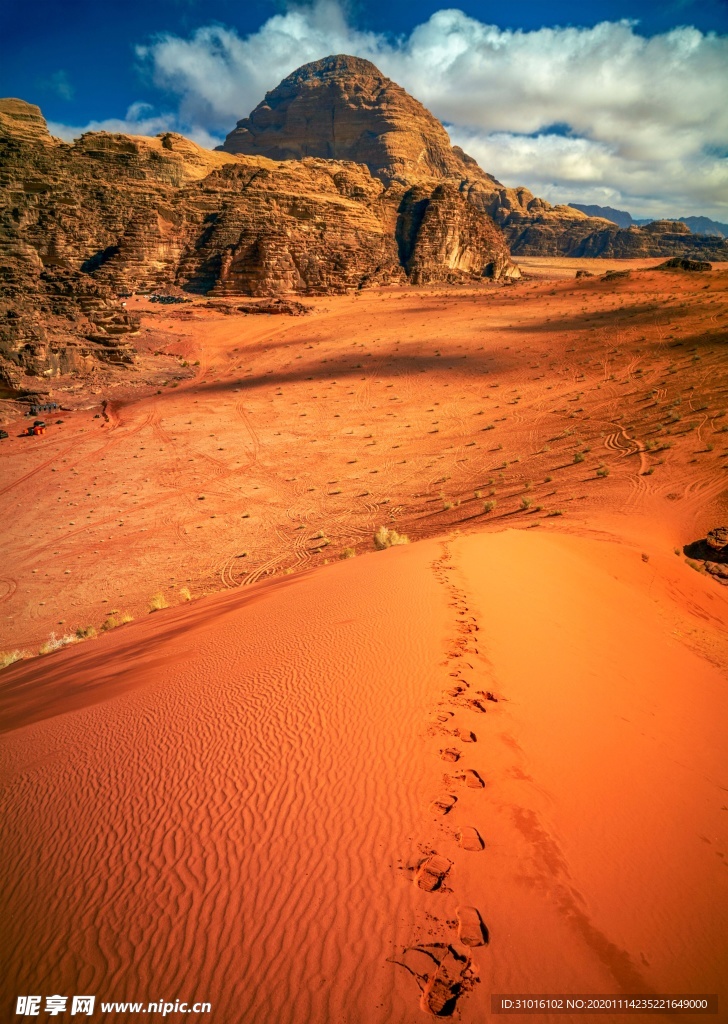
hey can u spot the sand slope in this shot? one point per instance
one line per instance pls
(273, 799)
(298, 436)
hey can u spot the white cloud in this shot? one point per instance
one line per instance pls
(646, 116)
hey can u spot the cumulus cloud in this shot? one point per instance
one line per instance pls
(642, 122)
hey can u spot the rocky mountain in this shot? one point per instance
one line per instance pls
(344, 108)
(619, 217)
(338, 180)
(705, 226)
(697, 225)
(82, 224)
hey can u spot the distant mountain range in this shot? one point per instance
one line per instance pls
(698, 225)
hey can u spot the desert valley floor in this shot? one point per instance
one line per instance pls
(349, 789)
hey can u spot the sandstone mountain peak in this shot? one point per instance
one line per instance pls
(344, 108)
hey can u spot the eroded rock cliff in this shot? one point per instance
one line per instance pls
(83, 224)
(343, 107)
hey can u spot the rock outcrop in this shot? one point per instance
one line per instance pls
(82, 225)
(712, 551)
(338, 180)
(344, 108)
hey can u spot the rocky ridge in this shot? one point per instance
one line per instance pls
(83, 224)
(343, 107)
(338, 180)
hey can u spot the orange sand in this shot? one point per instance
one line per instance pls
(242, 799)
(238, 812)
(297, 437)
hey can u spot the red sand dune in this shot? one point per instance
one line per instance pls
(489, 762)
(245, 799)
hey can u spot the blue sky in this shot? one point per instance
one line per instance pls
(610, 102)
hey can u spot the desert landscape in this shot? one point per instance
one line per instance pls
(365, 643)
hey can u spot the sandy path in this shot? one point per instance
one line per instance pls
(287, 789)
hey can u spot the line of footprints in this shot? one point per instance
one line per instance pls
(444, 973)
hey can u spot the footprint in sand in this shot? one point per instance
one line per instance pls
(477, 705)
(445, 716)
(444, 804)
(466, 736)
(456, 691)
(442, 974)
(432, 872)
(470, 839)
(450, 754)
(471, 779)
(471, 930)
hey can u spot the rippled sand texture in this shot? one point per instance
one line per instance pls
(489, 764)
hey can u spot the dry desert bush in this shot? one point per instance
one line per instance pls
(386, 538)
(10, 657)
(54, 643)
(116, 619)
(157, 602)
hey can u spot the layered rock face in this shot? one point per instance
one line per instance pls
(82, 224)
(343, 108)
(535, 228)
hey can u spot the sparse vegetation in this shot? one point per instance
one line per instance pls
(386, 538)
(85, 632)
(116, 619)
(603, 471)
(525, 503)
(10, 657)
(157, 602)
(185, 594)
(55, 643)
(347, 553)
(578, 457)
(489, 506)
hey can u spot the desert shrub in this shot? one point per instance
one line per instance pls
(347, 553)
(525, 503)
(555, 512)
(157, 602)
(116, 619)
(185, 594)
(54, 643)
(10, 657)
(578, 457)
(85, 632)
(489, 506)
(478, 494)
(603, 471)
(447, 506)
(386, 538)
